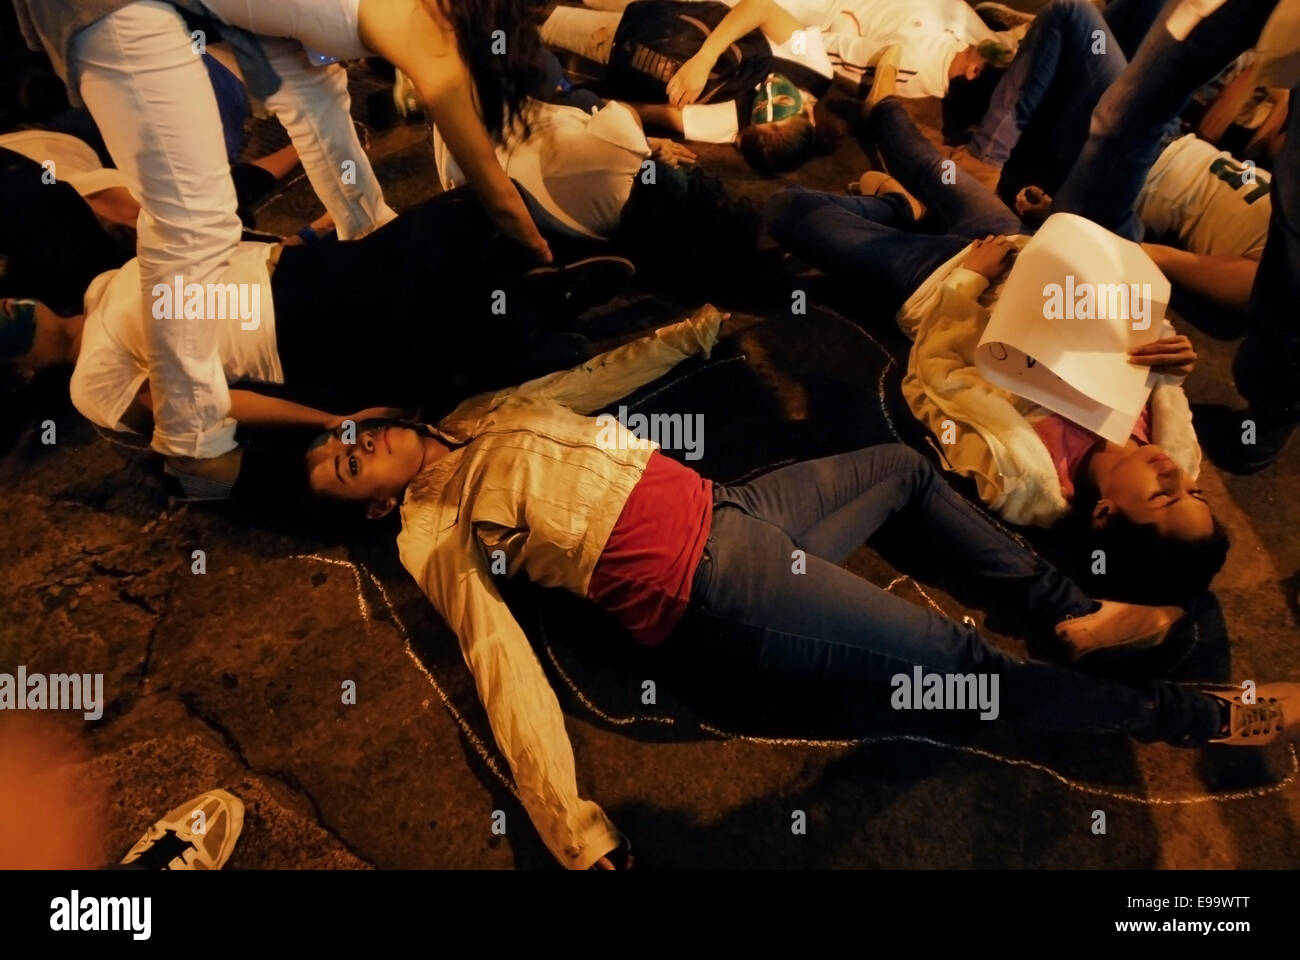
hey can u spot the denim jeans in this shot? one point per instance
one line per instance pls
(1131, 118)
(1057, 60)
(827, 624)
(864, 239)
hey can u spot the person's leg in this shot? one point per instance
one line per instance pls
(852, 238)
(588, 33)
(825, 624)
(314, 106)
(1129, 21)
(965, 208)
(833, 505)
(1267, 367)
(1131, 120)
(1068, 45)
(153, 102)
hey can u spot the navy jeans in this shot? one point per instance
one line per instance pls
(1130, 119)
(827, 624)
(1065, 63)
(865, 239)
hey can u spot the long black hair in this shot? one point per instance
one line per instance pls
(499, 43)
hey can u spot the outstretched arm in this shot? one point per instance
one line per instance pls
(766, 15)
(405, 33)
(1223, 280)
(521, 707)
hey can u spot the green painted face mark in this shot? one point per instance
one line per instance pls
(17, 328)
(778, 99)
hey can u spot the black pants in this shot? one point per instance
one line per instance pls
(404, 316)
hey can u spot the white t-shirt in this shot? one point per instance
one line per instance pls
(1199, 194)
(113, 363)
(931, 33)
(578, 166)
(72, 160)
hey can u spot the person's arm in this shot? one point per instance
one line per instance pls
(616, 373)
(521, 707)
(1223, 280)
(405, 33)
(659, 115)
(252, 409)
(776, 23)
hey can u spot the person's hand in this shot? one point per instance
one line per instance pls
(1171, 355)
(989, 256)
(370, 413)
(688, 82)
(670, 153)
(1033, 203)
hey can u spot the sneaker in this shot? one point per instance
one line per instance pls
(875, 183)
(1224, 433)
(207, 479)
(1275, 714)
(198, 835)
(987, 174)
(1117, 630)
(1002, 18)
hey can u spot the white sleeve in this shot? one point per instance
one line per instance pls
(710, 122)
(103, 385)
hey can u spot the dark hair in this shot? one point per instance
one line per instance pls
(686, 233)
(778, 147)
(1144, 566)
(501, 81)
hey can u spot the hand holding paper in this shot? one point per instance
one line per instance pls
(1077, 301)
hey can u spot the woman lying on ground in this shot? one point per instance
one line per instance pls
(524, 481)
(1138, 502)
(593, 181)
(304, 320)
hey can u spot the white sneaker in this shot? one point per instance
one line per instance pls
(200, 834)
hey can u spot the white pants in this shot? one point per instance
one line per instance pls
(145, 85)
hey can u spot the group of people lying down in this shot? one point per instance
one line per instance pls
(523, 481)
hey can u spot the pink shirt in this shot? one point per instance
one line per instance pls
(643, 577)
(1068, 443)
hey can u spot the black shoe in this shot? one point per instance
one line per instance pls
(1240, 441)
(558, 294)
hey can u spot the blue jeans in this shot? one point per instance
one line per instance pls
(865, 239)
(1130, 119)
(1056, 61)
(827, 624)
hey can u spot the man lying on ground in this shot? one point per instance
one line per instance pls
(760, 92)
(525, 482)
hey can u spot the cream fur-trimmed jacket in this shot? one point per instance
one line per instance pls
(996, 445)
(531, 475)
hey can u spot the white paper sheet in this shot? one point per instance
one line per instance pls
(1077, 299)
